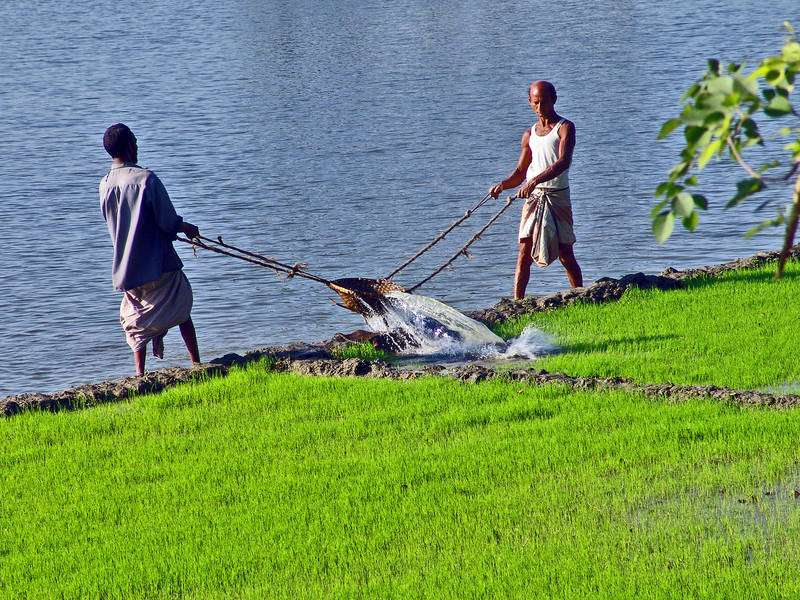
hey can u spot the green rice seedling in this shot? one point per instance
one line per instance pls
(365, 350)
(738, 330)
(268, 485)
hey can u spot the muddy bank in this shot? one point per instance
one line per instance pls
(315, 359)
(355, 367)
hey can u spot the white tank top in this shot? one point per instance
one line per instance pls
(544, 152)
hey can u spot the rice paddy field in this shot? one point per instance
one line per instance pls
(268, 485)
(739, 330)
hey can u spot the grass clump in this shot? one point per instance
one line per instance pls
(365, 350)
(737, 330)
(272, 485)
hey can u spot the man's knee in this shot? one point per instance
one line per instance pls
(525, 247)
(565, 252)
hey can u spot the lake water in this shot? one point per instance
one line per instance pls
(342, 134)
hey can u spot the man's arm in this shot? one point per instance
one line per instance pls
(566, 146)
(518, 175)
(164, 212)
(159, 203)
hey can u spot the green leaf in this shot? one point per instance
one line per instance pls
(700, 201)
(712, 102)
(746, 85)
(657, 208)
(680, 169)
(778, 106)
(713, 66)
(750, 128)
(732, 101)
(773, 62)
(713, 118)
(667, 127)
(707, 153)
(745, 188)
(695, 135)
(767, 165)
(692, 115)
(663, 225)
(691, 221)
(668, 189)
(791, 52)
(780, 78)
(721, 85)
(759, 72)
(683, 204)
(795, 148)
(690, 92)
(779, 220)
(751, 232)
(773, 75)
(753, 142)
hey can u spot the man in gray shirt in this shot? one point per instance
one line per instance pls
(143, 224)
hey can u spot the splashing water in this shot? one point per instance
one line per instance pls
(431, 326)
(434, 328)
(531, 343)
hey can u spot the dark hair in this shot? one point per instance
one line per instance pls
(116, 139)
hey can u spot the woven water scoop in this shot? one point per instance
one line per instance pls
(362, 295)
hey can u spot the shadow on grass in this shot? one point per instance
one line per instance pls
(612, 343)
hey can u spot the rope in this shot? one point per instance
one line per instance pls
(463, 249)
(297, 269)
(252, 257)
(438, 238)
(291, 270)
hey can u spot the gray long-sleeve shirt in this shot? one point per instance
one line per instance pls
(142, 223)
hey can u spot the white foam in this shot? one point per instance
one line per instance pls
(530, 344)
(436, 328)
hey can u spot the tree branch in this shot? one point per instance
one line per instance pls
(791, 229)
(792, 171)
(741, 161)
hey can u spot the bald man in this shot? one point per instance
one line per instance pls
(545, 230)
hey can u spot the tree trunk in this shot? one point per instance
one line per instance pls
(791, 228)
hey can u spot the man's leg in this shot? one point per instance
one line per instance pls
(190, 339)
(139, 357)
(567, 258)
(523, 272)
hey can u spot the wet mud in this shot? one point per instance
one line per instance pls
(315, 359)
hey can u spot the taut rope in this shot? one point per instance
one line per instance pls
(439, 237)
(463, 249)
(361, 295)
(252, 257)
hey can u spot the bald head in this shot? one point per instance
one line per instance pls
(543, 88)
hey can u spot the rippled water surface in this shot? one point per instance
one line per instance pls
(341, 134)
